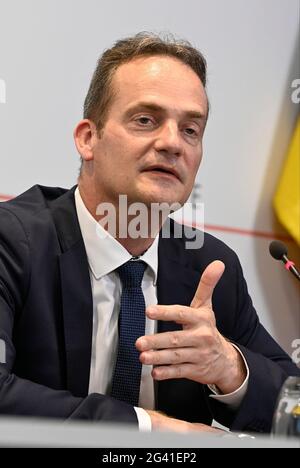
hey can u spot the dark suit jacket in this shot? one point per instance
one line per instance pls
(46, 321)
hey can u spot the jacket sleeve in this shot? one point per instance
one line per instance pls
(269, 366)
(19, 396)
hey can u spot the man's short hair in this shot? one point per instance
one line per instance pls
(101, 91)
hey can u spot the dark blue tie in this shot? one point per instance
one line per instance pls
(127, 375)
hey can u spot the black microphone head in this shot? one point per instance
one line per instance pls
(278, 250)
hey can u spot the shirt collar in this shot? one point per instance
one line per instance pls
(105, 254)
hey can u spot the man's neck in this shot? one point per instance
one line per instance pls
(136, 246)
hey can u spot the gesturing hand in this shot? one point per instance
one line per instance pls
(197, 352)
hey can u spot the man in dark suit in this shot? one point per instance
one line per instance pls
(203, 353)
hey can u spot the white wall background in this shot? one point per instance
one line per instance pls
(48, 51)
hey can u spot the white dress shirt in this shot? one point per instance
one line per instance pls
(105, 254)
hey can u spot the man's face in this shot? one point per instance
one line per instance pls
(150, 147)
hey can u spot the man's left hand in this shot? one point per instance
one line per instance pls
(197, 352)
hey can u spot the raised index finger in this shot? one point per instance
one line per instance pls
(207, 284)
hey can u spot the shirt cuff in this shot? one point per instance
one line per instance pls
(144, 420)
(235, 398)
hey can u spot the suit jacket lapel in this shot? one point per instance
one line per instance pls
(176, 284)
(76, 294)
(177, 280)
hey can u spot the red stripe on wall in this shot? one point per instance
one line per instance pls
(4, 197)
(248, 232)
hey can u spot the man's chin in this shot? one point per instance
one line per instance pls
(160, 198)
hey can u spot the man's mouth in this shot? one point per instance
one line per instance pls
(163, 170)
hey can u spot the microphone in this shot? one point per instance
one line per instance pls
(279, 251)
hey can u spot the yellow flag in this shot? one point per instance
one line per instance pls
(287, 196)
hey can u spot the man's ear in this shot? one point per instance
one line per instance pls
(84, 136)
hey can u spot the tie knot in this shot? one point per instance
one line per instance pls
(131, 273)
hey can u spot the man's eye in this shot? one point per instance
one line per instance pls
(191, 131)
(144, 120)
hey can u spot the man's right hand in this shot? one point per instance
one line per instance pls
(162, 422)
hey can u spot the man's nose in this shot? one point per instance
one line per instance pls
(169, 139)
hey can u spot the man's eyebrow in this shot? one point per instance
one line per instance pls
(157, 108)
